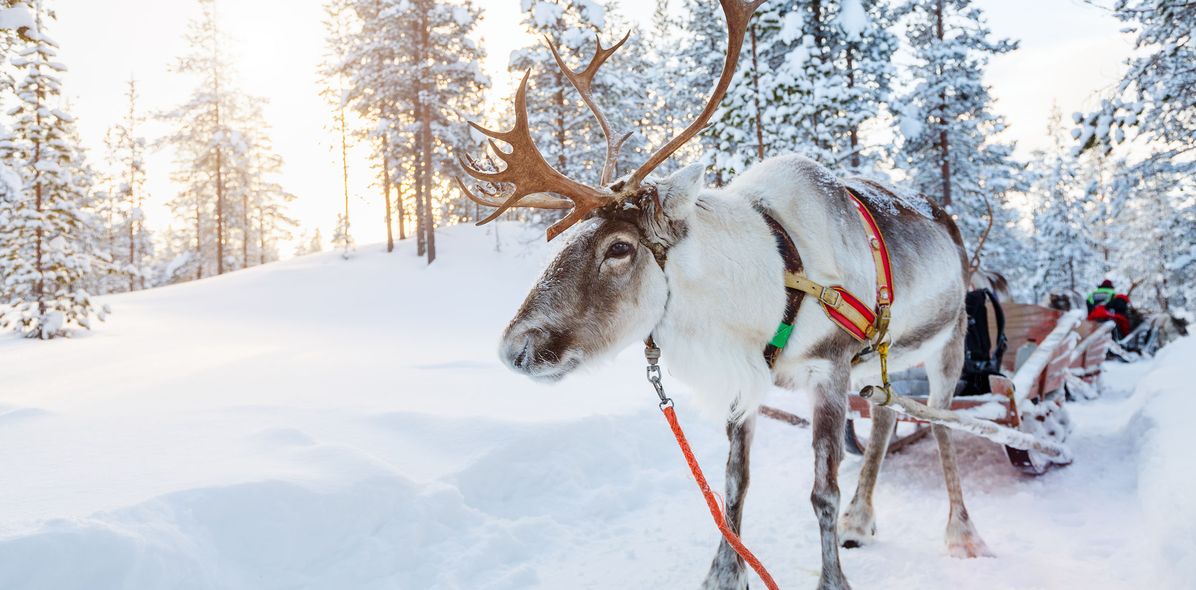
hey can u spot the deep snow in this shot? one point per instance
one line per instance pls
(323, 423)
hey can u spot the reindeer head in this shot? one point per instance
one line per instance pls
(607, 286)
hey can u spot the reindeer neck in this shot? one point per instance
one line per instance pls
(724, 278)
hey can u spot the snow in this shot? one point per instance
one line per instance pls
(884, 201)
(323, 423)
(545, 14)
(852, 19)
(16, 17)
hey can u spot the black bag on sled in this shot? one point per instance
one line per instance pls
(981, 358)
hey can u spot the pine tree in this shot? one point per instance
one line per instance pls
(309, 243)
(829, 73)
(950, 150)
(1153, 97)
(559, 121)
(412, 69)
(342, 237)
(1155, 236)
(225, 163)
(1063, 248)
(739, 130)
(337, 69)
(700, 61)
(45, 229)
(447, 83)
(129, 240)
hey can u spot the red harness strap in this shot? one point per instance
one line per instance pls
(840, 305)
(719, 519)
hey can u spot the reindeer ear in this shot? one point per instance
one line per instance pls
(679, 192)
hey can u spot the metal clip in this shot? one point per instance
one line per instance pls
(652, 353)
(654, 379)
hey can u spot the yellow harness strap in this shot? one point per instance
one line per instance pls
(840, 306)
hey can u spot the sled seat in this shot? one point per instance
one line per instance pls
(1090, 353)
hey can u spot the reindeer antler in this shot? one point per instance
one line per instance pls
(531, 175)
(738, 15)
(975, 263)
(533, 178)
(583, 82)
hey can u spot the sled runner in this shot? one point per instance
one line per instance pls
(1051, 355)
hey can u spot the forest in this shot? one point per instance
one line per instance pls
(892, 90)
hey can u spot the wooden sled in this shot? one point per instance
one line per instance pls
(1026, 410)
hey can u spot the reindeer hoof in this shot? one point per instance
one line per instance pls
(963, 542)
(856, 529)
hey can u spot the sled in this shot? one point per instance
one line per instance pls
(1050, 354)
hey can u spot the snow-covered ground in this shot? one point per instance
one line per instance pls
(323, 423)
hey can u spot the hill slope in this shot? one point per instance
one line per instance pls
(324, 423)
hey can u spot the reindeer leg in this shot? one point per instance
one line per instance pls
(857, 526)
(830, 416)
(944, 372)
(727, 572)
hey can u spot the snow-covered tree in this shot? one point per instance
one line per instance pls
(624, 90)
(561, 126)
(951, 149)
(828, 73)
(412, 69)
(740, 134)
(342, 237)
(700, 60)
(812, 75)
(1063, 248)
(1155, 235)
(224, 159)
(309, 243)
(128, 240)
(1154, 95)
(46, 233)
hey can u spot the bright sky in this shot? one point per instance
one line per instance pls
(1069, 51)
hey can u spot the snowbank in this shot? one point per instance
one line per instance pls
(1166, 477)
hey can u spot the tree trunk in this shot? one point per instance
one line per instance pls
(219, 215)
(854, 134)
(756, 94)
(261, 235)
(400, 209)
(244, 228)
(198, 236)
(219, 163)
(944, 147)
(421, 235)
(390, 238)
(816, 25)
(426, 145)
(345, 176)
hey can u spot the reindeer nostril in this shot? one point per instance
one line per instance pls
(521, 358)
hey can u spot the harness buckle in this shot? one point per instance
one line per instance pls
(829, 296)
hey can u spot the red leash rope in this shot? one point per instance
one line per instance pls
(719, 519)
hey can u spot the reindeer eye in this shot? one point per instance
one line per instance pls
(619, 250)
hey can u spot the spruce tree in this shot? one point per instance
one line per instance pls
(1064, 251)
(561, 126)
(951, 149)
(226, 167)
(130, 242)
(46, 233)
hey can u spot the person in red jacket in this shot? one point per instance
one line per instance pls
(1105, 304)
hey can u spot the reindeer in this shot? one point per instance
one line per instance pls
(699, 270)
